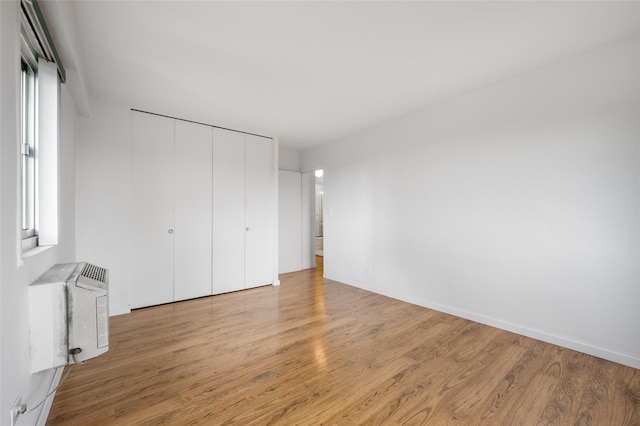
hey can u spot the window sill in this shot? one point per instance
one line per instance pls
(35, 251)
(29, 242)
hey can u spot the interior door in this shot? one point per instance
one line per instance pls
(289, 221)
(193, 209)
(152, 189)
(259, 208)
(228, 211)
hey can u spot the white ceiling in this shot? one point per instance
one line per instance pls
(312, 72)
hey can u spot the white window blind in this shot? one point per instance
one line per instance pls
(47, 136)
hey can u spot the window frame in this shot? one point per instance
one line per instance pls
(28, 154)
(38, 151)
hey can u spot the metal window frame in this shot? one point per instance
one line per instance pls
(36, 42)
(38, 37)
(27, 156)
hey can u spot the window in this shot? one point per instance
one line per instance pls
(41, 74)
(27, 153)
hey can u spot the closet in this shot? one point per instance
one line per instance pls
(203, 210)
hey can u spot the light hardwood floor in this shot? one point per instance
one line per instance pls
(320, 352)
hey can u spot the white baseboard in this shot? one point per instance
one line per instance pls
(119, 310)
(566, 342)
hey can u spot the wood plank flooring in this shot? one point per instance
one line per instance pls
(317, 352)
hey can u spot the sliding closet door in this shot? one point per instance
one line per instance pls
(152, 209)
(259, 207)
(192, 237)
(228, 211)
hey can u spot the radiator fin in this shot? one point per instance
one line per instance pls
(94, 272)
(102, 321)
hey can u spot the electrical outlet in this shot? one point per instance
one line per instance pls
(16, 409)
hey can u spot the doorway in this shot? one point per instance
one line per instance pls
(319, 218)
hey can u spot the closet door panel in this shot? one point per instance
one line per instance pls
(193, 210)
(259, 206)
(152, 209)
(228, 211)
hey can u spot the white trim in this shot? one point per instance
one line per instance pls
(34, 251)
(119, 310)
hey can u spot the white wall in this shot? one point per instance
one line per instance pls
(104, 196)
(15, 377)
(288, 159)
(516, 205)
